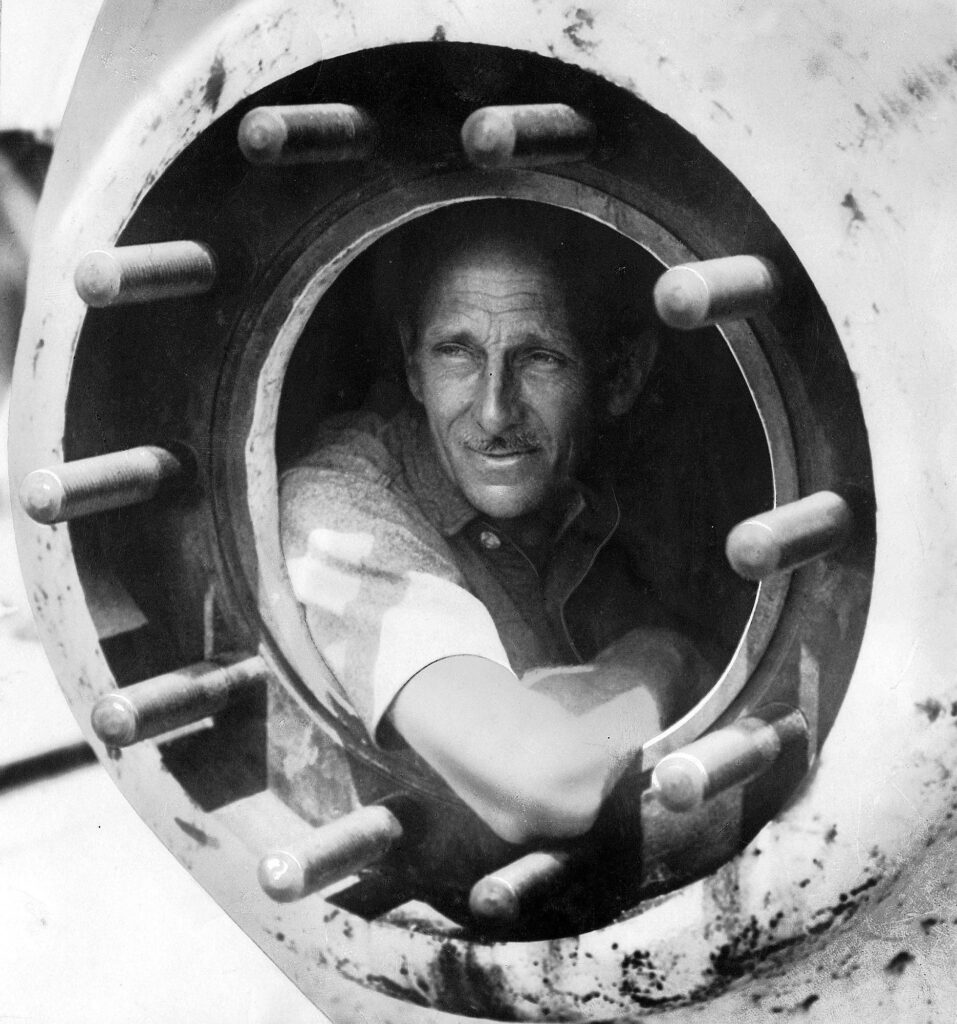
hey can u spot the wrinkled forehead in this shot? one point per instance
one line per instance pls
(495, 278)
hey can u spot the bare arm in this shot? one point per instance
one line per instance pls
(524, 764)
(527, 765)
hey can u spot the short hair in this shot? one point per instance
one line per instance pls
(596, 268)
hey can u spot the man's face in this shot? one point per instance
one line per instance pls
(504, 383)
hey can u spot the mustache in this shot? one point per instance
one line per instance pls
(498, 444)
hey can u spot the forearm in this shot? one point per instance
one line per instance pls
(623, 725)
(525, 765)
(537, 761)
(649, 676)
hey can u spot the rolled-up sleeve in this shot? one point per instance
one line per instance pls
(382, 596)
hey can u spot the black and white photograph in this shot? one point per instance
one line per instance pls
(479, 512)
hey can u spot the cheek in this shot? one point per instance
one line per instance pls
(565, 412)
(445, 397)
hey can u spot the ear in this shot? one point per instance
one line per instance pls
(412, 375)
(631, 371)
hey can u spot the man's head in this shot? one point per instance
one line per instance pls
(509, 348)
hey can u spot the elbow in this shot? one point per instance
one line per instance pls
(558, 816)
(553, 802)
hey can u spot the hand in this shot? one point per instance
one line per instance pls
(655, 660)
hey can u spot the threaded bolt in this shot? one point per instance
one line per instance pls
(144, 273)
(98, 484)
(307, 133)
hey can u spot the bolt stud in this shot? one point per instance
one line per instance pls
(696, 295)
(329, 853)
(506, 895)
(97, 484)
(143, 273)
(739, 752)
(173, 700)
(307, 134)
(530, 135)
(789, 536)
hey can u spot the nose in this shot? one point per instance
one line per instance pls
(497, 406)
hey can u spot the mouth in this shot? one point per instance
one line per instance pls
(501, 449)
(502, 460)
(511, 453)
(501, 466)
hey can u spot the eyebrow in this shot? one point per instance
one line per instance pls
(438, 335)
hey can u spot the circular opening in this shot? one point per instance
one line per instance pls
(736, 419)
(705, 445)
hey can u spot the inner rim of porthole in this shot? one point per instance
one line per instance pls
(314, 272)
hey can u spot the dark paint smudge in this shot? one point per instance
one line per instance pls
(464, 986)
(850, 203)
(197, 834)
(900, 963)
(388, 987)
(585, 19)
(36, 354)
(214, 84)
(917, 87)
(932, 708)
(864, 886)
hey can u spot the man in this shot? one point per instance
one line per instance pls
(444, 552)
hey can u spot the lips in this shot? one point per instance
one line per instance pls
(507, 454)
(501, 467)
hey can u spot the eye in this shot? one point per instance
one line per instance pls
(452, 348)
(546, 358)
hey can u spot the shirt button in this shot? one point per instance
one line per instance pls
(489, 540)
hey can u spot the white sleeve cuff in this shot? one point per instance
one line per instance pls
(436, 619)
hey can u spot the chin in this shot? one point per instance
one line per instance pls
(505, 502)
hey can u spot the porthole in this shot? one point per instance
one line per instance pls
(751, 413)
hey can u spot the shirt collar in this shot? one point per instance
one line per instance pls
(594, 510)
